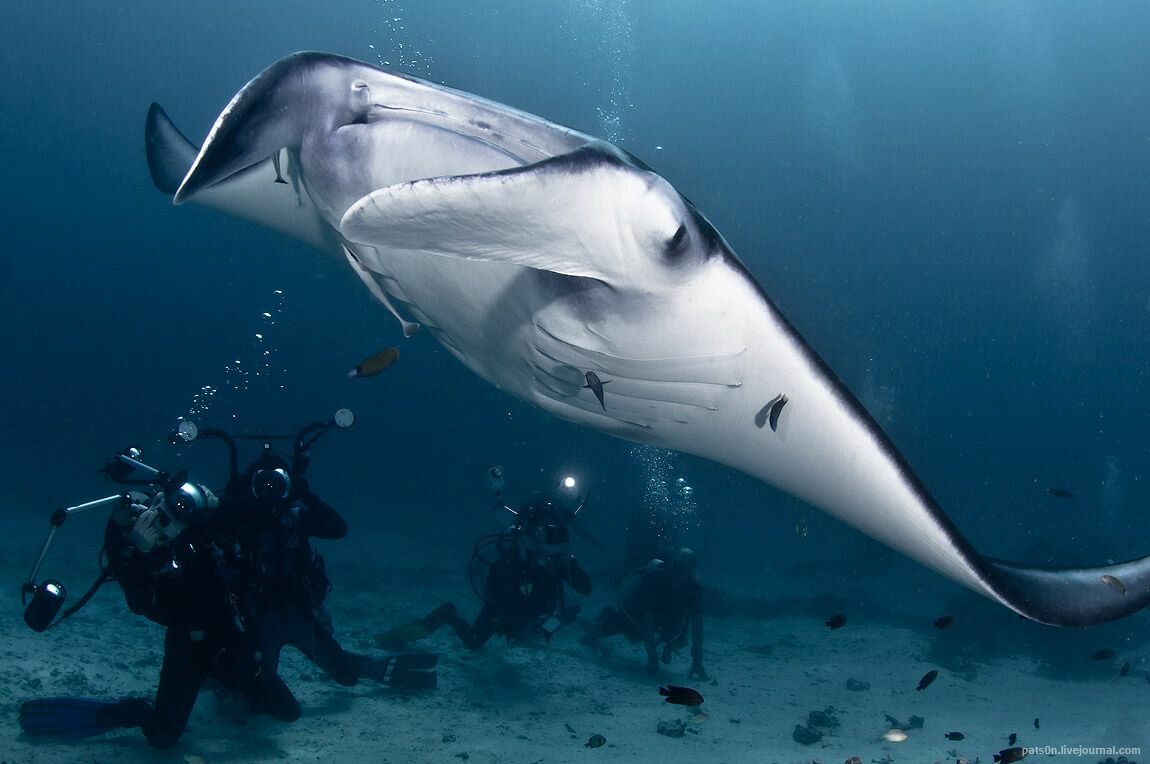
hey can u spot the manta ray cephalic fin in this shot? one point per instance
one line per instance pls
(547, 215)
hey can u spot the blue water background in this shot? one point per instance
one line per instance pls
(948, 200)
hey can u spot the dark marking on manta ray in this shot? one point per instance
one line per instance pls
(770, 412)
(596, 386)
(276, 165)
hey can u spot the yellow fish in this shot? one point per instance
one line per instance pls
(376, 364)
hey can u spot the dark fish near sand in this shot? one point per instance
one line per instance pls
(595, 385)
(595, 741)
(1012, 739)
(1104, 654)
(943, 621)
(1036, 722)
(1061, 493)
(681, 696)
(836, 622)
(1115, 583)
(376, 364)
(1010, 755)
(926, 680)
(955, 736)
(1125, 670)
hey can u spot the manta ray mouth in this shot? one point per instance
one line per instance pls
(638, 391)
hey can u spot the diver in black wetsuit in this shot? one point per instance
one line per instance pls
(662, 608)
(285, 581)
(180, 578)
(233, 581)
(232, 590)
(524, 595)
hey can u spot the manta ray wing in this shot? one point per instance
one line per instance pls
(536, 258)
(251, 193)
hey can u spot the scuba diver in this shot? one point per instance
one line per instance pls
(274, 514)
(524, 595)
(661, 607)
(232, 579)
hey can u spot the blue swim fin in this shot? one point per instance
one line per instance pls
(75, 718)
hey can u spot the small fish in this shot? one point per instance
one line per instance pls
(1012, 739)
(596, 386)
(595, 741)
(955, 736)
(699, 717)
(1125, 670)
(926, 680)
(894, 736)
(802, 530)
(770, 413)
(1115, 582)
(1104, 654)
(1060, 493)
(943, 621)
(1010, 755)
(376, 364)
(1036, 722)
(836, 622)
(681, 696)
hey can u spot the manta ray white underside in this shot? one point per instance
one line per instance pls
(537, 254)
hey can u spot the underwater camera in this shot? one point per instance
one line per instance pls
(553, 541)
(174, 508)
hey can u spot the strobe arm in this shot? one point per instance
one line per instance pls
(58, 518)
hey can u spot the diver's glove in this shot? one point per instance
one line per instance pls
(147, 532)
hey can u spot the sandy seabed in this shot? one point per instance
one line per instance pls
(543, 704)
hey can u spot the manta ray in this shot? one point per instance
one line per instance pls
(569, 274)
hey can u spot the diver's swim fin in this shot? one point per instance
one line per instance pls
(413, 681)
(401, 636)
(74, 718)
(405, 671)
